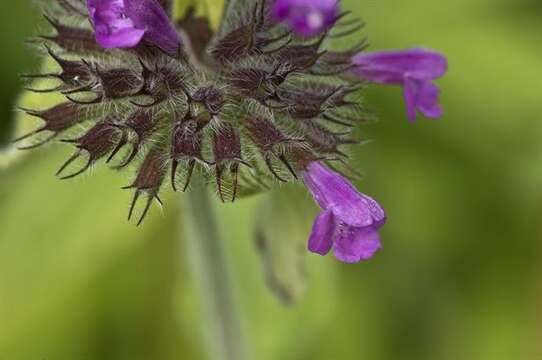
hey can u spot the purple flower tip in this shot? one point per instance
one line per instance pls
(306, 17)
(414, 69)
(124, 23)
(350, 220)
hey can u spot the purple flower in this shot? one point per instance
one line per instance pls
(124, 23)
(306, 17)
(414, 69)
(350, 220)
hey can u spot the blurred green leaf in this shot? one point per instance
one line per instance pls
(211, 9)
(25, 123)
(280, 235)
(18, 23)
(63, 238)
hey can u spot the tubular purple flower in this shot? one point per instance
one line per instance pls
(306, 17)
(350, 220)
(414, 69)
(125, 23)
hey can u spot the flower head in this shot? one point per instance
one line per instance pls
(306, 17)
(414, 69)
(263, 107)
(125, 23)
(350, 220)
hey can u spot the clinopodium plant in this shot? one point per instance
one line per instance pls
(270, 96)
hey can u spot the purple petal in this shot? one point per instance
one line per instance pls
(125, 38)
(391, 67)
(333, 191)
(422, 96)
(306, 17)
(149, 14)
(113, 29)
(320, 241)
(124, 23)
(427, 104)
(353, 245)
(409, 94)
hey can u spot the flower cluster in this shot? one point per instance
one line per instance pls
(264, 98)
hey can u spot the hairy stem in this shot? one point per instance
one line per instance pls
(212, 275)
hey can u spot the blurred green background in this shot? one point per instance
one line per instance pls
(459, 277)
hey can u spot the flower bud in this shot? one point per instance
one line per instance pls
(95, 144)
(227, 153)
(56, 120)
(302, 56)
(249, 39)
(273, 144)
(186, 144)
(211, 98)
(142, 123)
(149, 179)
(72, 38)
(74, 74)
(110, 84)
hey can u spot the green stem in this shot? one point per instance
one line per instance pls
(212, 275)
